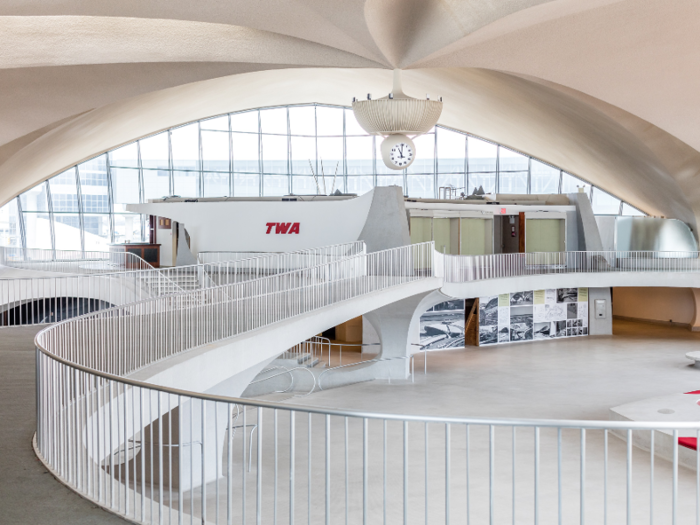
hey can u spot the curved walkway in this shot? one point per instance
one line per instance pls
(28, 492)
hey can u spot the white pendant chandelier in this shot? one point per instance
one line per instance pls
(395, 117)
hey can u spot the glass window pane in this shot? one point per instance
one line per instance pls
(360, 185)
(9, 225)
(274, 150)
(391, 180)
(246, 152)
(247, 122)
(273, 121)
(215, 184)
(37, 227)
(97, 232)
(246, 185)
(510, 160)
(35, 199)
(329, 121)
(93, 187)
(425, 154)
(156, 184)
(570, 184)
(275, 185)
(330, 151)
(352, 127)
(304, 186)
(451, 149)
(217, 123)
(154, 151)
(64, 193)
(67, 229)
(456, 180)
(125, 157)
(421, 186)
(481, 155)
(303, 151)
(487, 180)
(215, 151)
(125, 187)
(359, 155)
(512, 182)
(185, 147)
(186, 183)
(543, 178)
(127, 227)
(604, 203)
(302, 120)
(632, 211)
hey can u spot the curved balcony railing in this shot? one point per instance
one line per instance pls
(44, 300)
(70, 261)
(465, 268)
(161, 455)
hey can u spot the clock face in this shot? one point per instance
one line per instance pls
(401, 154)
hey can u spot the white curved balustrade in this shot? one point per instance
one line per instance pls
(162, 455)
(460, 268)
(37, 300)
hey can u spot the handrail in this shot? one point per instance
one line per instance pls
(467, 268)
(106, 289)
(70, 261)
(86, 409)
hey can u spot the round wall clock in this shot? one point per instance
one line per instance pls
(398, 152)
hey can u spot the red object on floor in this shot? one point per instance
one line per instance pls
(691, 443)
(694, 392)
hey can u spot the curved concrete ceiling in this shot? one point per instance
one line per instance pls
(607, 89)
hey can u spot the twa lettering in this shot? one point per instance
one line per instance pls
(282, 227)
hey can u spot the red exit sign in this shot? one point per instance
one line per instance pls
(282, 227)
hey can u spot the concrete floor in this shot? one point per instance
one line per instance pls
(576, 378)
(29, 494)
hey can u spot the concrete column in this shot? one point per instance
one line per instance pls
(398, 328)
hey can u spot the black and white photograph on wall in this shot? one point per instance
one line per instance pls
(504, 334)
(443, 326)
(488, 311)
(567, 295)
(571, 310)
(542, 330)
(521, 323)
(521, 298)
(488, 335)
(560, 329)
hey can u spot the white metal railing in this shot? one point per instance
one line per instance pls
(162, 455)
(70, 261)
(41, 300)
(464, 268)
(317, 255)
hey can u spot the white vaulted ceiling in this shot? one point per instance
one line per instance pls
(606, 89)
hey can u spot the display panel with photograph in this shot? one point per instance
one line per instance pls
(443, 326)
(533, 315)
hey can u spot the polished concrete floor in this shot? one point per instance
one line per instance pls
(576, 378)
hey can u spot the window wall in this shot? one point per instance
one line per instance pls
(300, 150)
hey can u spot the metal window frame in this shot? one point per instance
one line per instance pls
(466, 174)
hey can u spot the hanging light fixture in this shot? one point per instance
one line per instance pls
(395, 117)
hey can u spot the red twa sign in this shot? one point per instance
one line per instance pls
(282, 227)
